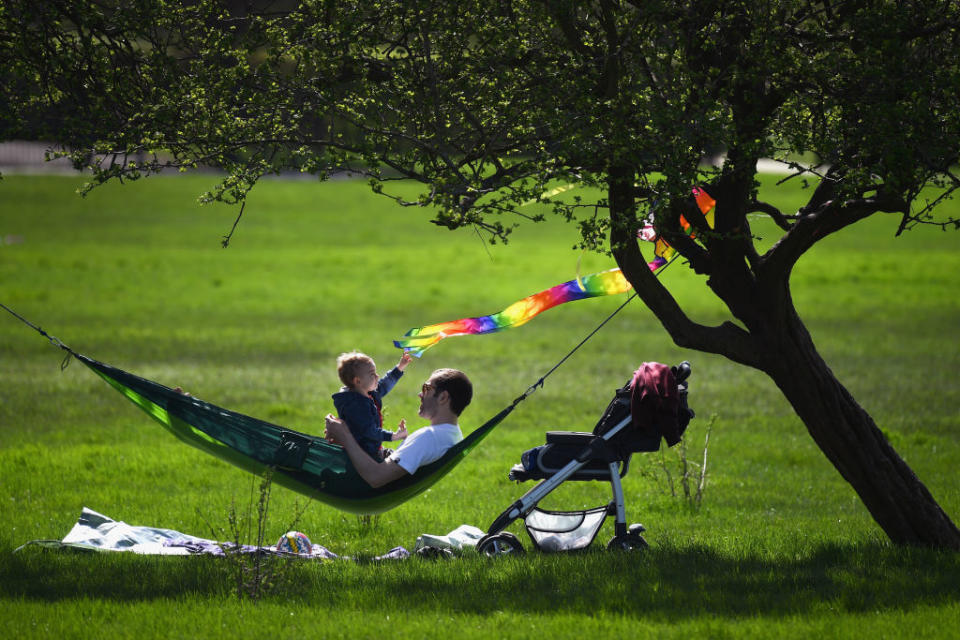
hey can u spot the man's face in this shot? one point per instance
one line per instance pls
(428, 400)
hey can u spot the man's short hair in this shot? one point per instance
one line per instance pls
(457, 384)
(348, 365)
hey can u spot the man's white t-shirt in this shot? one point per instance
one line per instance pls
(425, 445)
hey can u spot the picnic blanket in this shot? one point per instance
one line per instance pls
(97, 532)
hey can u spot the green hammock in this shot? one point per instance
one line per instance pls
(301, 462)
(306, 464)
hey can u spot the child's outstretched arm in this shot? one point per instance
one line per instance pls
(385, 384)
(401, 432)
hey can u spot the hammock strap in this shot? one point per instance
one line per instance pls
(539, 383)
(53, 339)
(530, 390)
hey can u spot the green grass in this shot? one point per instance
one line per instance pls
(134, 275)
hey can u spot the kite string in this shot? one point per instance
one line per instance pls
(539, 383)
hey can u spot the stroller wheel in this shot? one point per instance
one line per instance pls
(628, 542)
(499, 544)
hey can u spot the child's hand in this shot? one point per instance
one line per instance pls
(401, 432)
(404, 361)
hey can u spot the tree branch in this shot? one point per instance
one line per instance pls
(772, 211)
(818, 220)
(727, 339)
(924, 216)
(571, 34)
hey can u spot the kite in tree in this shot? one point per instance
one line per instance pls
(604, 283)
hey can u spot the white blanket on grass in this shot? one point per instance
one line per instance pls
(97, 532)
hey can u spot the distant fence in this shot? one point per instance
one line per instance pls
(19, 156)
(23, 156)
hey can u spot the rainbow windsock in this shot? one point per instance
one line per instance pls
(604, 283)
(662, 251)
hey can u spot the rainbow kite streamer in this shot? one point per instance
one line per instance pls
(605, 283)
(662, 251)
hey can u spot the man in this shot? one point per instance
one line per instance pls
(443, 398)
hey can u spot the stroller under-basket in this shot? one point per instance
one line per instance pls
(652, 405)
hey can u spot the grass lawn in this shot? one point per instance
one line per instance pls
(134, 275)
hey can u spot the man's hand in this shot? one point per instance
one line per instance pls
(336, 430)
(376, 474)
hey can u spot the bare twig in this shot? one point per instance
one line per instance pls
(226, 238)
(703, 468)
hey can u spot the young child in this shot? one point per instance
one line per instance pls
(359, 402)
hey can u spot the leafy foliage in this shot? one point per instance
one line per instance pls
(488, 102)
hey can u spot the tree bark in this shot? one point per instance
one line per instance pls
(776, 342)
(895, 497)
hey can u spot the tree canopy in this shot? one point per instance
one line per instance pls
(488, 103)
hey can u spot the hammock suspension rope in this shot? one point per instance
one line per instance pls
(303, 463)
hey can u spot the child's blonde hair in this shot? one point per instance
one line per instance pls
(348, 365)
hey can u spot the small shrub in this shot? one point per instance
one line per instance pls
(671, 470)
(255, 571)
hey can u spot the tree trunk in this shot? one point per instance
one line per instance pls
(845, 432)
(773, 339)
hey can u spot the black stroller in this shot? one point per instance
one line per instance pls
(652, 405)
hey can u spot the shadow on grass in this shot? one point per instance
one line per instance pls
(670, 584)
(43, 574)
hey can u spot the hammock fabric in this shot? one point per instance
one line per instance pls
(304, 463)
